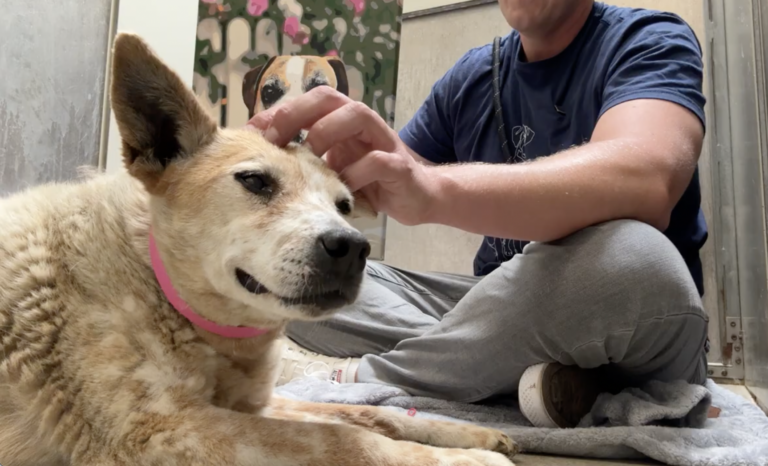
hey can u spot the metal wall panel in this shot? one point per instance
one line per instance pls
(51, 94)
(753, 217)
(737, 32)
(723, 221)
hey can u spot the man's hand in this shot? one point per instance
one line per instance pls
(360, 146)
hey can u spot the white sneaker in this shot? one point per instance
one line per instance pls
(556, 396)
(299, 363)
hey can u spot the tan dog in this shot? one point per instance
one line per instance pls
(98, 368)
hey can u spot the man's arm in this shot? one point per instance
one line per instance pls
(419, 158)
(638, 164)
(639, 161)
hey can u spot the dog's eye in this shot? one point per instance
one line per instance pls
(315, 83)
(270, 94)
(344, 207)
(257, 183)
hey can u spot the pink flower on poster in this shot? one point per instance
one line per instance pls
(257, 7)
(358, 5)
(332, 53)
(291, 26)
(298, 32)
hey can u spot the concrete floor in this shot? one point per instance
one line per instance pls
(536, 460)
(741, 391)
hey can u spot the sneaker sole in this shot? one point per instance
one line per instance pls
(531, 397)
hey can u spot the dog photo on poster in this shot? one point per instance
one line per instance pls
(253, 54)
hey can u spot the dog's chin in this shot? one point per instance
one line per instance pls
(311, 305)
(320, 307)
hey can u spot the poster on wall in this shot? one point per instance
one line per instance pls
(253, 54)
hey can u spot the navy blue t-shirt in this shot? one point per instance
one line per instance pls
(620, 54)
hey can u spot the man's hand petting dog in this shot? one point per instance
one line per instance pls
(358, 144)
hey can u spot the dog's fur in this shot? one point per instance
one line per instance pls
(98, 369)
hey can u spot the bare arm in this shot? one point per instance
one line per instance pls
(418, 158)
(641, 159)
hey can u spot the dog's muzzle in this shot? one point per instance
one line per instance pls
(339, 259)
(337, 262)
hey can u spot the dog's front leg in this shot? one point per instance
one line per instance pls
(400, 427)
(214, 437)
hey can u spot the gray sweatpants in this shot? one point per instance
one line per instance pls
(617, 296)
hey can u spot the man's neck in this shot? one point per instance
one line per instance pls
(548, 44)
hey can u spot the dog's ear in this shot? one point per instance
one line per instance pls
(251, 83)
(342, 83)
(160, 120)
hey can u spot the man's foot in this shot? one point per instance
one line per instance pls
(553, 395)
(299, 363)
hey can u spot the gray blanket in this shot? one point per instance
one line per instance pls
(665, 422)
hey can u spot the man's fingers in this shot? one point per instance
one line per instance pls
(261, 120)
(287, 120)
(355, 120)
(345, 153)
(374, 166)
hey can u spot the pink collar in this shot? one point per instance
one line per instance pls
(226, 331)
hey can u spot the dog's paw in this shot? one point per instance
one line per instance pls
(452, 435)
(500, 442)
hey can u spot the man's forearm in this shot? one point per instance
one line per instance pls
(555, 196)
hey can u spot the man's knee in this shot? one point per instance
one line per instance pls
(621, 255)
(618, 292)
(611, 275)
(639, 259)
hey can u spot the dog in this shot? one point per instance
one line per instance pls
(140, 313)
(283, 78)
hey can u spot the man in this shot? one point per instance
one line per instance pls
(600, 298)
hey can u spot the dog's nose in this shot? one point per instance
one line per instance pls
(345, 251)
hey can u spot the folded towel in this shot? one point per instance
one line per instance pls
(666, 422)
